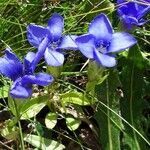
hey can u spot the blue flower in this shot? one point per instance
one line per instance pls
(132, 13)
(101, 42)
(21, 74)
(49, 40)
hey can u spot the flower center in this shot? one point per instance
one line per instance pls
(102, 46)
(53, 45)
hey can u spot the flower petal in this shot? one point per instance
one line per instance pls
(86, 44)
(55, 26)
(19, 91)
(35, 34)
(28, 61)
(11, 56)
(41, 79)
(142, 22)
(105, 59)
(129, 9)
(128, 22)
(10, 66)
(40, 53)
(120, 41)
(120, 1)
(145, 1)
(142, 10)
(68, 42)
(53, 58)
(29, 58)
(101, 28)
(131, 13)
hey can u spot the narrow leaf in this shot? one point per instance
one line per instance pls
(109, 124)
(132, 104)
(75, 98)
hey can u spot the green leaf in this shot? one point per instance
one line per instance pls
(75, 98)
(13, 107)
(43, 143)
(109, 124)
(72, 123)
(4, 91)
(10, 131)
(32, 107)
(54, 71)
(133, 104)
(51, 120)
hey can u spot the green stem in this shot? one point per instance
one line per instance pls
(19, 124)
(108, 118)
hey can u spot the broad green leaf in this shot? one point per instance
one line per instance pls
(132, 104)
(32, 107)
(4, 91)
(76, 98)
(43, 143)
(72, 123)
(51, 120)
(109, 124)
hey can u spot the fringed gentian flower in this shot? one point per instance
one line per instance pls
(21, 75)
(101, 42)
(132, 13)
(49, 40)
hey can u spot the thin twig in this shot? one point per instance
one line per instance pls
(4, 144)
